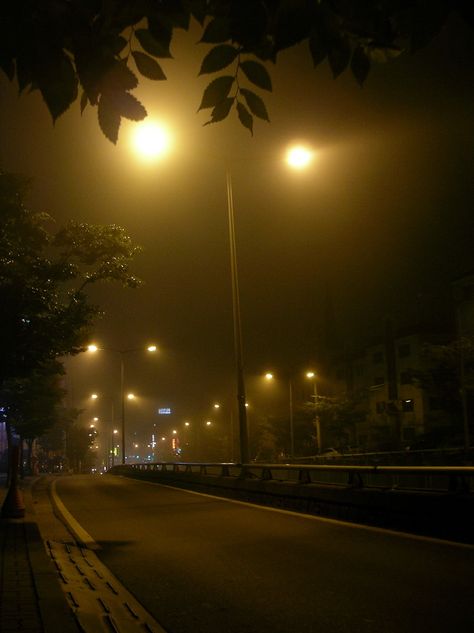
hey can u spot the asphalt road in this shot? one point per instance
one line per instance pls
(201, 564)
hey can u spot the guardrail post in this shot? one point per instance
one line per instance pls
(354, 480)
(266, 474)
(203, 469)
(303, 476)
(458, 483)
(225, 472)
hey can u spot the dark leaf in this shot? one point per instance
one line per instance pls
(255, 103)
(84, 101)
(8, 67)
(428, 19)
(216, 92)
(257, 74)
(150, 44)
(360, 64)
(162, 34)
(148, 66)
(339, 56)
(116, 44)
(293, 24)
(57, 82)
(175, 13)
(317, 47)
(129, 106)
(217, 31)
(245, 117)
(221, 110)
(119, 77)
(218, 58)
(109, 118)
(23, 71)
(248, 22)
(199, 10)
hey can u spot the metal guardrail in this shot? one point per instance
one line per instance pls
(453, 479)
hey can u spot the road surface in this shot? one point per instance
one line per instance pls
(200, 564)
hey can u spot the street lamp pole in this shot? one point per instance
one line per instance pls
(241, 399)
(316, 419)
(122, 402)
(292, 435)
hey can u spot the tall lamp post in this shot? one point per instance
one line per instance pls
(298, 157)
(238, 351)
(312, 376)
(122, 353)
(269, 376)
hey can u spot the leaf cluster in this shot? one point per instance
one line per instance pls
(64, 48)
(339, 412)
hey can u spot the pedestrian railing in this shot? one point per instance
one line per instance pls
(454, 479)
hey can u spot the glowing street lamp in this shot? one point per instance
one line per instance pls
(151, 140)
(299, 157)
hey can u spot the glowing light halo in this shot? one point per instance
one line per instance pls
(299, 156)
(151, 140)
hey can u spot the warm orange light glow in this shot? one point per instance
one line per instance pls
(131, 396)
(151, 348)
(269, 376)
(310, 374)
(92, 348)
(151, 141)
(217, 406)
(94, 396)
(299, 156)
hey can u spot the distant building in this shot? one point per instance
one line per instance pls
(382, 375)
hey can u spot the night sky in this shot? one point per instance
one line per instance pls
(382, 220)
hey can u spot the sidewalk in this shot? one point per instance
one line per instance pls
(31, 600)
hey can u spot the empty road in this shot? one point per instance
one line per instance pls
(201, 564)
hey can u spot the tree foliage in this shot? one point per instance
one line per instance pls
(44, 276)
(448, 371)
(64, 48)
(338, 417)
(32, 404)
(46, 313)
